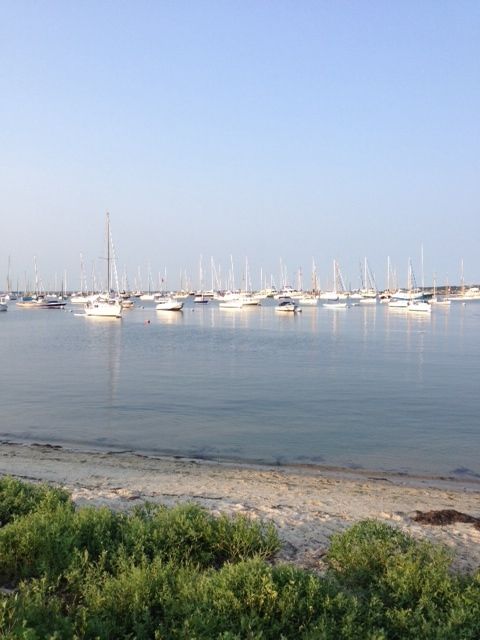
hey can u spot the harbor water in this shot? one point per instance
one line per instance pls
(365, 387)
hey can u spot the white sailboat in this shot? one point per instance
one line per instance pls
(368, 292)
(435, 299)
(201, 296)
(81, 297)
(402, 299)
(338, 293)
(311, 299)
(103, 305)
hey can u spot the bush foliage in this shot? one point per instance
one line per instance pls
(181, 573)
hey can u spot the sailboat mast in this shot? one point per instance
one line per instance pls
(36, 275)
(108, 253)
(423, 271)
(9, 288)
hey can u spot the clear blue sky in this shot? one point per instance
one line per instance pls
(273, 130)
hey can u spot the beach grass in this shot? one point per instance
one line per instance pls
(182, 573)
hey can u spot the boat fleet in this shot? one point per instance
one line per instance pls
(285, 301)
(112, 302)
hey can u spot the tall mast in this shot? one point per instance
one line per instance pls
(108, 253)
(9, 286)
(423, 271)
(36, 275)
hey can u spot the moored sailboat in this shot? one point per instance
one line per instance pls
(103, 305)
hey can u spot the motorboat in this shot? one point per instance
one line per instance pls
(27, 301)
(419, 306)
(232, 303)
(78, 298)
(49, 301)
(288, 293)
(308, 301)
(104, 307)
(398, 303)
(248, 300)
(166, 303)
(3, 304)
(287, 306)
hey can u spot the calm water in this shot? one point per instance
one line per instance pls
(364, 387)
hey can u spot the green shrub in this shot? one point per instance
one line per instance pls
(36, 612)
(180, 573)
(39, 543)
(183, 534)
(188, 534)
(240, 538)
(358, 557)
(407, 587)
(97, 531)
(129, 603)
(19, 498)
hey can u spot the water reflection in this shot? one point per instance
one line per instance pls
(105, 344)
(169, 317)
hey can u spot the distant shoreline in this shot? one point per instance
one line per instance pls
(306, 504)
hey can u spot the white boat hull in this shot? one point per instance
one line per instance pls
(308, 302)
(104, 309)
(169, 305)
(419, 307)
(231, 304)
(287, 308)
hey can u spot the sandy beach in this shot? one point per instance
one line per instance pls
(307, 504)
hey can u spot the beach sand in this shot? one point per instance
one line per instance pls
(306, 504)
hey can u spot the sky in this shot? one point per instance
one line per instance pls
(277, 132)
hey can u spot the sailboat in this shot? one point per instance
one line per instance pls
(435, 299)
(368, 292)
(103, 305)
(403, 299)
(338, 296)
(201, 297)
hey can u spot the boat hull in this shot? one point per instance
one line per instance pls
(104, 310)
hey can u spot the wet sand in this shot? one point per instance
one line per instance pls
(306, 504)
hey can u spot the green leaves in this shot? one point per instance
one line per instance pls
(181, 573)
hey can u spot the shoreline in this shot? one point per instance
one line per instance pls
(469, 479)
(306, 503)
